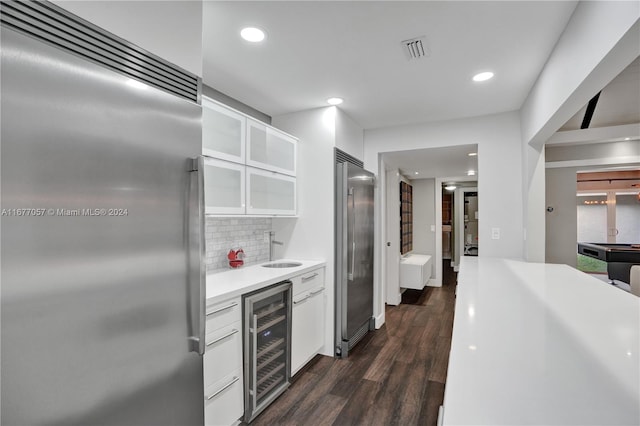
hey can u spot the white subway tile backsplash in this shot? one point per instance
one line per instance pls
(223, 234)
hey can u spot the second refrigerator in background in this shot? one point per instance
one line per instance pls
(354, 256)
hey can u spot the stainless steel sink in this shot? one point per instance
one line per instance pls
(282, 265)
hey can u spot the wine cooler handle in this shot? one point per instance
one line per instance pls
(254, 359)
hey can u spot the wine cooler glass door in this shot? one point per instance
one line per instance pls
(267, 346)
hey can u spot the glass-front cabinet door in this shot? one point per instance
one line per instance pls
(223, 132)
(224, 187)
(270, 149)
(270, 193)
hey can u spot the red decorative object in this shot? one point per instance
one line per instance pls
(235, 258)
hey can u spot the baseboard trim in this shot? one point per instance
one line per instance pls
(434, 283)
(380, 319)
(396, 301)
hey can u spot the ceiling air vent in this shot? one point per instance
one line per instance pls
(416, 48)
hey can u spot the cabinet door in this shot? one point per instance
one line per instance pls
(270, 193)
(223, 353)
(270, 149)
(223, 400)
(307, 327)
(223, 132)
(224, 187)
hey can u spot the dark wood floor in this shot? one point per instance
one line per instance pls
(394, 376)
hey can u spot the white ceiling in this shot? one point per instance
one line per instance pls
(446, 162)
(352, 49)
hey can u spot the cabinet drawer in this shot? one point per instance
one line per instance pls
(308, 281)
(223, 400)
(223, 352)
(222, 314)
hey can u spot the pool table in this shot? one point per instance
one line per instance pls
(619, 257)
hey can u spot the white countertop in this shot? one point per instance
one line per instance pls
(541, 344)
(234, 282)
(415, 259)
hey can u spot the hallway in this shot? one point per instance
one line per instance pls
(394, 376)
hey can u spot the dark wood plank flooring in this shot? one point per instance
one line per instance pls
(394, 376)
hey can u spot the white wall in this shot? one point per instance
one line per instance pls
(424, 216)
(600, 40)
(499, 169)
(534, 209)
(169, 29)
(392, 238)
(311, 235)
(349, 135)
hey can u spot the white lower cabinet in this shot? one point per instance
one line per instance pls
(223, 404)
(222, 364)
(308, 318)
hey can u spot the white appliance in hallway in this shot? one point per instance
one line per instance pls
(102, 281)
(354, 256)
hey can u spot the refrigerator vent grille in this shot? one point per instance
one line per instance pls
(51, 24)
(343, 157)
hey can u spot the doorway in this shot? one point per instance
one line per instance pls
(470, 219)
(607, 211)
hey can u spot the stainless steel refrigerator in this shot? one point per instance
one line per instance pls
(102, 291)
(354, 256)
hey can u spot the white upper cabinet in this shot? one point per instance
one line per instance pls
(270, 193)
(250, 167)
(223, 132)
(224, 187)
(270, 149)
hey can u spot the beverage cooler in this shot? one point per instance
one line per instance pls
(267, 346)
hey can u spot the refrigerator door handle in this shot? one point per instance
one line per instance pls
(351, 194)
(196, 244)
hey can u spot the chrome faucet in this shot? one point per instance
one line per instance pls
(271, 243)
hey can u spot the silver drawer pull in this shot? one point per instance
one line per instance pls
(216, 393)
(313, 293)
(309, 277)
(224, 308)
(295, 302)
(231, 333)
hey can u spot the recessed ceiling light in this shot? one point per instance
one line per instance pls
(627, 139)
(472, 154)
(450, 187)
(416, 173)
(335, 101)
(252, 34)
(483, 76)
(471, 173)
